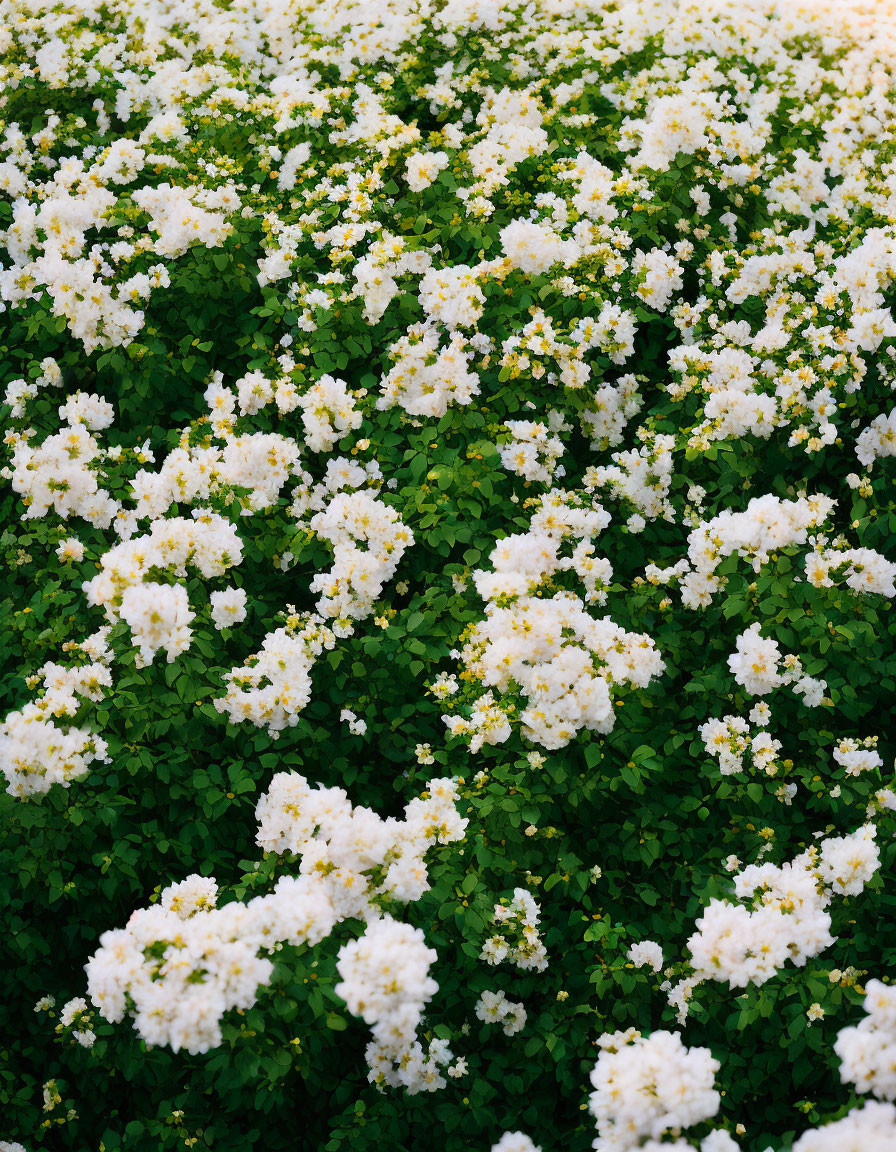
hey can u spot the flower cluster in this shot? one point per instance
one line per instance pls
(646, 953)
(640, 476)
(274, 685)
(767, 525)
(495, 1008)
(356, 856)
(509, 1142)
(561, 659)
(368, 540)
(539, 345)
(181, 964)
(228, 607)
(858, 756)
(755, 666)
(867, 1050)
(646, 1086)
(535, 447)
(328, 413)
(452, 296)
(868, 1129)
(257, 463)
(427, 375)
(63, 473)
(159, 614)
(77, 1017)
(516, 938)
(782, 914)
(385, 980)
(35, 751)
(877, 440)
(729, 740)
(862, 569)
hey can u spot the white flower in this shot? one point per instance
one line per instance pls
(159, 617)
(228, 607)
(648, 953)
(647, 1086)
(70, 549)
(515, 1142)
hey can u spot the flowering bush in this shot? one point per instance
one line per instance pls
(449, 547)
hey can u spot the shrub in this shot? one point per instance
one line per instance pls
(448, 509)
